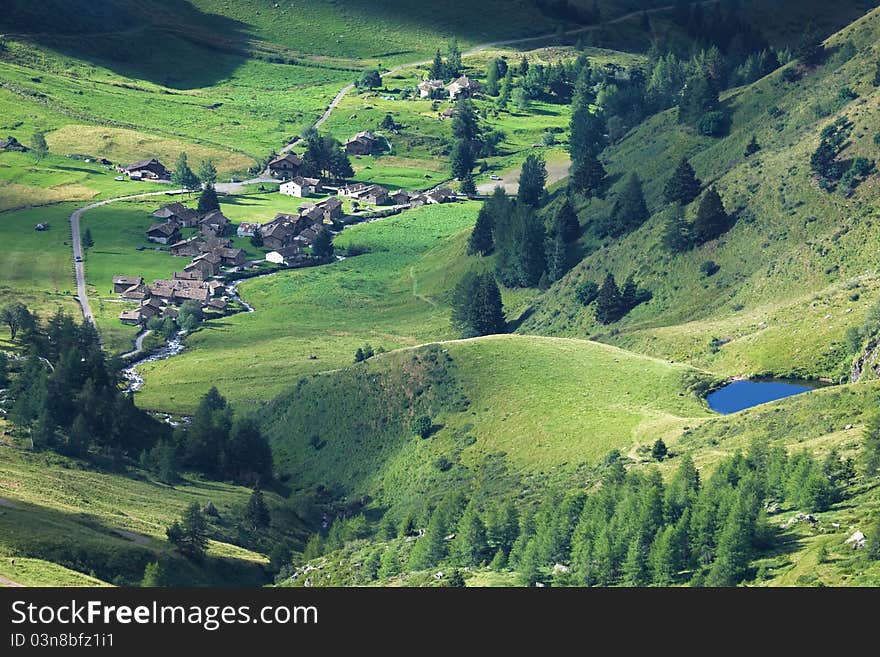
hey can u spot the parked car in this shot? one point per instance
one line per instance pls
(119, 178)
(78, 259)
(494, 177)
(234, 180)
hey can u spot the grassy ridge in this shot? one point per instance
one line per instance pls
(504, 407)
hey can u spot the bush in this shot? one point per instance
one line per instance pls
(422, 426)
(709, 268)
(712, 124)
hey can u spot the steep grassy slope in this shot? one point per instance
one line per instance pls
(799, 266)
(54, 509)
(504, 408)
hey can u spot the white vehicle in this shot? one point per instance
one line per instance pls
(494, 177)
(119, 178)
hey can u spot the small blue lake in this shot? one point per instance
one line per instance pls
(740, 395)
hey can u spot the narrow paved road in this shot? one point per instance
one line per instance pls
(79, 270)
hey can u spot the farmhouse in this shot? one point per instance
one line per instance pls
(352, 189)
(135, 293)
(429, 88)
(307, 237)
(332, 208)
(463, 87)
(285, 166)
(440, 195)
(190, 247)
(400, 197)
(164, 233)
(132, 317)
(363, 143)
(12, 144)
(246, 229)
(232, 257)
(300, 186)
(179, 213)
(278, 232)
(201, 268)
(151, 169)
(214, 224)
(213, 244)
(287, 255)
(122, 283)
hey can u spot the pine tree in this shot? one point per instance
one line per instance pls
(430, 549)
(322, 246)
(532, 179)
(481, 241)
(257, 513)
(529, 564)
(462, 159)
(557, 257)
(663, 560)
(493, 77)
(659, 450)
(470, 547)
(190, 534)
(676, 236)
(566, 223)
(752, 147)
(876, 80)
(453, 54)
(468, 185)
(506, 90)
(810, 51)
(587, 139)
(208, 201)
(711, 221)
(156, 574)
(871, 446)
(183, 176)
(635, 567)
(608, 301)
(699, 97)
(389, 564)
(684, 186)
(629, 210)
(207, 173)
(39, 147)
(438, 68)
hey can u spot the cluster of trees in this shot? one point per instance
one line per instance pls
(366, 352)
(635, 530)
(613, 303)
(476, 306)
(711, 220)
(827, 166)
(189, 317)
(446, 69)
(469, 142)
(325, 158)
(215, 443)
(67, 396)
(628, 212)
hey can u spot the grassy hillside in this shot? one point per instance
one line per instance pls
(110, 525)
(796, 270)
(504, 407)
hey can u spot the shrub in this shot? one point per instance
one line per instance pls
(709, 268)
(422, 426)
(711, 124)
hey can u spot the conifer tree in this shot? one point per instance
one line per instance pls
(752, 147)
(389, 564)
(557, 257)
(711, 221)
(635, 567)
(470, 547)
(608, 301)
(183, 176)
(530, 564)
(190, 534)
(430, 549)
(208, 201)
(676, 236)
(684, 186)
(629, 210)
(532, 179)
(481, 241)
(566, 221)
(256, 512)
(207, 173)
(468, 185)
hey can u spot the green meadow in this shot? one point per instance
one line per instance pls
(314, 319)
